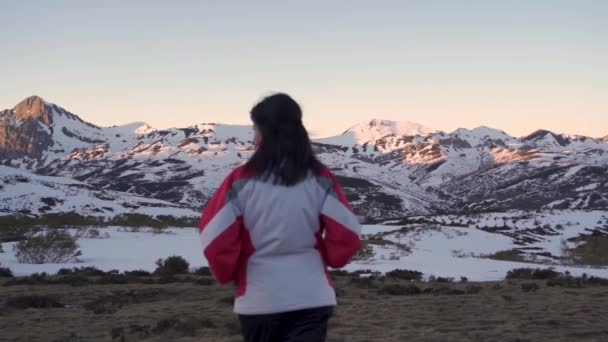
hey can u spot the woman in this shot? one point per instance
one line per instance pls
(275, 225)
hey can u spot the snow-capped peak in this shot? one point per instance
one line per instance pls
(137, 128)
(143, 128)
(375, 129)
(483, 133)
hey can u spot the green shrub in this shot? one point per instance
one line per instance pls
(434, 279)
(204, 271)
(52, 247)
(88, 271)
(5, 272)
(137, 220)
(15, 233)
(64, 220)
(508, 255)
(172, 265)
(530, 273)
(577, 282)
(404, 274)
(138, 273)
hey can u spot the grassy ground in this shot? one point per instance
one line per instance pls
(368, 310)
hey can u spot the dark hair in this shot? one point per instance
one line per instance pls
(285, 151)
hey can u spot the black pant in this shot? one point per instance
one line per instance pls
(309, 325)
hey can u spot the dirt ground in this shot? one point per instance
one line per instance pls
(368, 310)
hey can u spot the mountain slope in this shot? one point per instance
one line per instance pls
(30, 194)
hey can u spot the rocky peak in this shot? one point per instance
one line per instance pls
(542, 134)
(33, 107)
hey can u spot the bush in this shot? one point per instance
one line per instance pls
(33, 301)
(530, 273)
(12, 233)
(62, 220)
(137, 220)
(203, 271)
(91, 233)
(172, 265)
(138, 273)
(5, 272)
(365, 253)
(52, 247)
(404, 274)
(65, 271)
(509, 255)
(434, 279)
(577, 282)
(88, 271)
(34, 279)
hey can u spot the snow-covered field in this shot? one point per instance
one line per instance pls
(123, 250)
(444, 251)
(447, 252)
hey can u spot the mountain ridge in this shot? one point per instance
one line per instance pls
(387, 168)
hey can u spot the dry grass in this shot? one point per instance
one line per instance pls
(385, 309)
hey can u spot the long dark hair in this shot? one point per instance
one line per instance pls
(285, 151)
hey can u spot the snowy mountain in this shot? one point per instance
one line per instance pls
(388, 169)
(389, 134)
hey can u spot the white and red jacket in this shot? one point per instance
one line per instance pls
(274, 242)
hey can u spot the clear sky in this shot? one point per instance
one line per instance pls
(517, 65)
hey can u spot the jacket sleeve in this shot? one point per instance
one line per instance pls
(342, 229)
(220, 230)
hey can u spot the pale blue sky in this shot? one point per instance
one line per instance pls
(514, 65)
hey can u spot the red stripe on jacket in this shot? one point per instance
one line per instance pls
(340, 244)
(224, 252)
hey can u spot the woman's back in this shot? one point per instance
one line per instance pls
(275, 241)
(282, 219)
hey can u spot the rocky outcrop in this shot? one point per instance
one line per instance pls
(25, 130)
